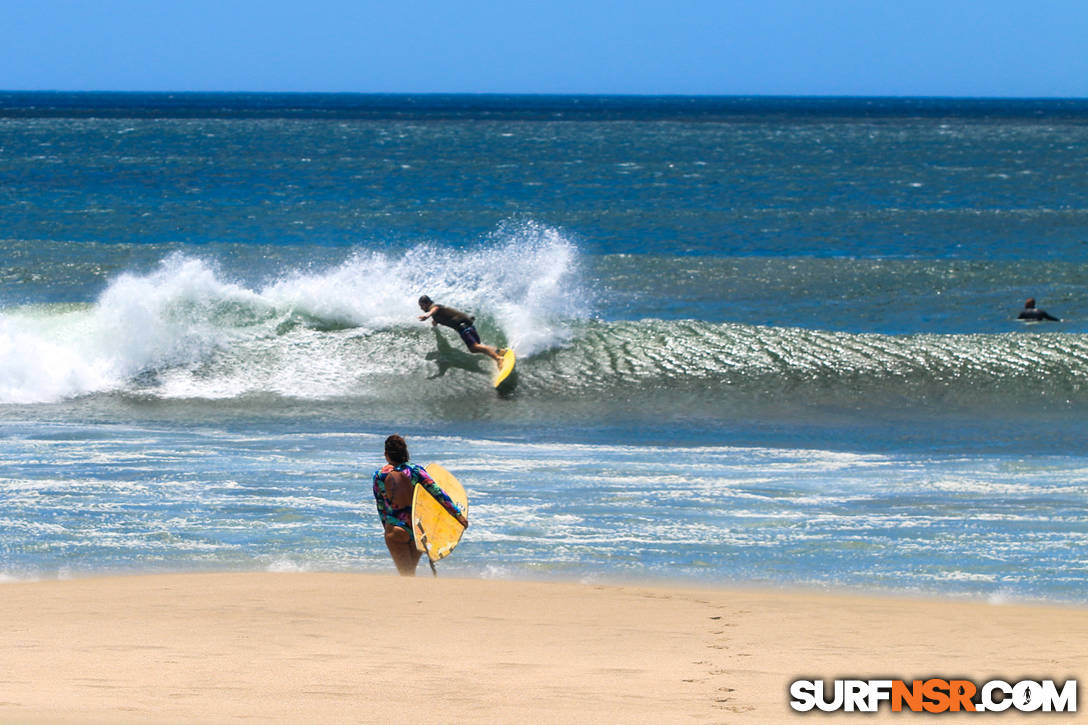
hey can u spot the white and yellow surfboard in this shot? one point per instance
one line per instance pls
(507, 378)
(436, 531)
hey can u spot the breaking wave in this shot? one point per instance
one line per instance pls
(186, 330)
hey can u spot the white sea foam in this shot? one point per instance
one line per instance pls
(524, 283)
(286, 566)
(139, 323)
(522, 286)
(47, 359)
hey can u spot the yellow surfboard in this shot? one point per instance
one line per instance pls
(436, 531)
(507, 378)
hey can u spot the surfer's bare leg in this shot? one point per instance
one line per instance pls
(404, 553)
(489, 351)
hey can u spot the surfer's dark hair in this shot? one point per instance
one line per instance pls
(425, 301)
(396, 450)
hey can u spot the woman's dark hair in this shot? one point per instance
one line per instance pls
(396, 449)
(425, 301)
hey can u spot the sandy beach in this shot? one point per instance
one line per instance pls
(292, 648)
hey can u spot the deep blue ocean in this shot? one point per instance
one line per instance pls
(767, 341)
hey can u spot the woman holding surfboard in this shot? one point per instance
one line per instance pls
(394, 484)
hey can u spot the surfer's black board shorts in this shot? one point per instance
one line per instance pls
(469, 335)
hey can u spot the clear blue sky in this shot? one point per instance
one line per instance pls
(769, 47)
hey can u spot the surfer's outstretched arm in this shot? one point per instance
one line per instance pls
(429, 308)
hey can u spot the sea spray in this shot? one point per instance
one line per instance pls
(175, 315)
(187, 330)
(523, 283)
(48, 354)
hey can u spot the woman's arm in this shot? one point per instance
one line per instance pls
(385, 513)
(441, 496)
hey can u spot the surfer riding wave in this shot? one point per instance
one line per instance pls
(462, 323)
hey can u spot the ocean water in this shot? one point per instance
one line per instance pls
(761, 341)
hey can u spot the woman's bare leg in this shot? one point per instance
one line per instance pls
(402, 549)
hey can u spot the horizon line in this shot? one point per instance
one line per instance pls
(550, 94)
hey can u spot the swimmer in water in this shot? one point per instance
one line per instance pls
(1031, 313)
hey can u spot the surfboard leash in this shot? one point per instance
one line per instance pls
(427, 548)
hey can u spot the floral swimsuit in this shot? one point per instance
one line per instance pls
(402, 517)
